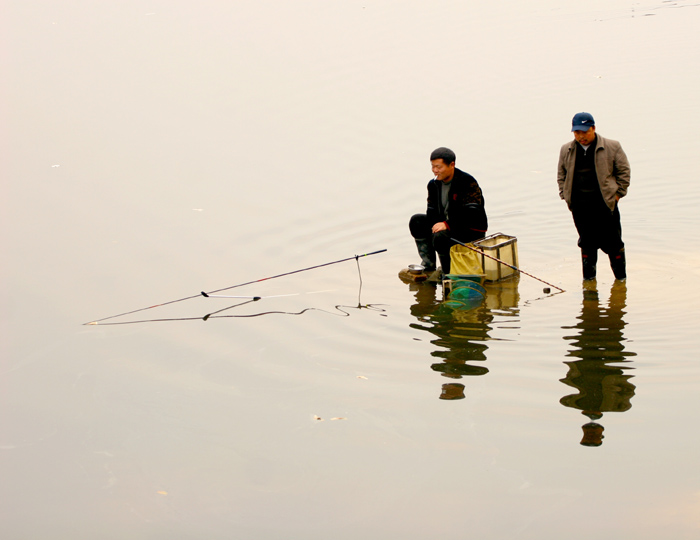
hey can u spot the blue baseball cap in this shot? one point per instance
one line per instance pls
(582, 121)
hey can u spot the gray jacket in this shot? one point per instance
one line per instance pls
(611, 167)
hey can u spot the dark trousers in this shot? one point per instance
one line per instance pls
(598, 227)
(430, 243)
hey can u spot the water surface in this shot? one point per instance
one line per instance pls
(157, 149)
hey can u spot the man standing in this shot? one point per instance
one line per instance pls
(455, 210)
(593, 175)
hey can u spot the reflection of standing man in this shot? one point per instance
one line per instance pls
(455, 210)
(593, 175)
(598, 371)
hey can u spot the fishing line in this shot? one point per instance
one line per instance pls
(340, 308)
(251, 299)
(229, 307)
(359, 275)
(356, 257)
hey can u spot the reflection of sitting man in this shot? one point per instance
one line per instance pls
(462, 333)
(452, 391)
(462, 340)
(602, 387)
(460, 337)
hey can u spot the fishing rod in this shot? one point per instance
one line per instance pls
(505, 263)
(296, 271)
(202, 293)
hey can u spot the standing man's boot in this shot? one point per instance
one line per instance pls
(589, 259)
(618, 264)
(427, 253)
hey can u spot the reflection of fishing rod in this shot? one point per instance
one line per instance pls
(505, 263)
(340, 308)
(254, 298)
(356, 257)
(250, 299)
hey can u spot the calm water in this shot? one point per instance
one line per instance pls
(157, 149)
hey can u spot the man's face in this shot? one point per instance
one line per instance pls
(441, 171)
(585, 137)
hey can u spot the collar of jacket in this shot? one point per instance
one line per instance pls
(600, 143)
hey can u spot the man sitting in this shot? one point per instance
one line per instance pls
(455, 211)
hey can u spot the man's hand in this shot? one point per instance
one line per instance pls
(439, 227)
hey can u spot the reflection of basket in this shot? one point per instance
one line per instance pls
(467, 290)
(452, 281)
(464, 294)
(503, 294)
(476, 278)
(503, 247)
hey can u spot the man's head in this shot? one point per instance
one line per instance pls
(442, 161)
(583, 127)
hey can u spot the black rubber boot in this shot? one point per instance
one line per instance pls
(589, 259)
(427, 253)
(445, 263)
(618, 264)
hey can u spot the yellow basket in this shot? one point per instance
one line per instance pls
(465, 261)
(503, 247)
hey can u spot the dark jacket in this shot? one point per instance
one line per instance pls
(611, 167)
(466, 216)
